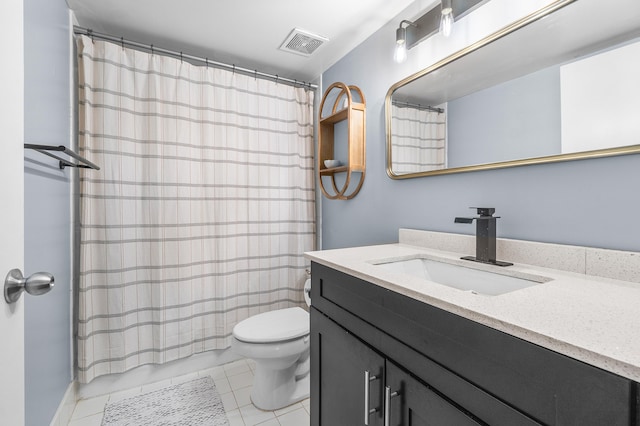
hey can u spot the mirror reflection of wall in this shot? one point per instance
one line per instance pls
(561, 88)
(587, 104)
(419, 138)
(512, 120)
(604, 91)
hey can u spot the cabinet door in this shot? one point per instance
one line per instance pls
(411, 403)
(339, 363)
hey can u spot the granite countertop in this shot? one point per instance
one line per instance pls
(593, 319)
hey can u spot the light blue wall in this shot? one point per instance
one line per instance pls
(517, 119)
(47, 207)
(588, 202)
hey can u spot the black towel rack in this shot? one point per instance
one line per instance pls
(44, 149)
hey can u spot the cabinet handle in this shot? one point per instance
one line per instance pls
(368, 378)
(387, 404)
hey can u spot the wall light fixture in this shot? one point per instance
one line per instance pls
(400, 52)
(446, 18)
(440, 18)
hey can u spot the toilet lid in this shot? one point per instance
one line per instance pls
(274, 326)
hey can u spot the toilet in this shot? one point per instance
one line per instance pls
(278, 342)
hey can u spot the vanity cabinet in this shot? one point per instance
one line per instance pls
(413, 403)
(357, 383)
(344, 361)
(446, 369)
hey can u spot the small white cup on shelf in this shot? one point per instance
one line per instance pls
(330, 164)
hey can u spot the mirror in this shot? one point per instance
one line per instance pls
(561, 84)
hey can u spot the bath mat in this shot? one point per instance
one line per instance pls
(186, 404)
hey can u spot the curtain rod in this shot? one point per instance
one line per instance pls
(150, 47)
(417, 106)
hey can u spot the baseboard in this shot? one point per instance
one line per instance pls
(137, 377)
(66, 407)
(151, 373)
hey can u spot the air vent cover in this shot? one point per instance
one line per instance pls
(302, 42)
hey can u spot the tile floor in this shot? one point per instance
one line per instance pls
(233, 382)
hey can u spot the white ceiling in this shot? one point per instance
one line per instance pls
(247, 33)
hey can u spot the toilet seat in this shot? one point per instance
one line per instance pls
(274, 326)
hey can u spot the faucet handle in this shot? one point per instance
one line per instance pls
(463, 220)
(484, 211)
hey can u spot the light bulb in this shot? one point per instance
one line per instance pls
(446, 21)
(400, 54)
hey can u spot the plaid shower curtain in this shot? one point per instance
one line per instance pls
(419, 143)
(200, 213)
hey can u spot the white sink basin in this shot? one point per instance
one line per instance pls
(469, 278)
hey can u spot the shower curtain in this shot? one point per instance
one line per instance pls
(200, 213)
(418, 138)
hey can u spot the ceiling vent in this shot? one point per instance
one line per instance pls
(302, 42)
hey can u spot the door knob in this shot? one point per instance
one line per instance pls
(35, 284)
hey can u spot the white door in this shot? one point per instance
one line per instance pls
(11, 209)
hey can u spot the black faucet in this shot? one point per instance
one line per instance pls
(485, 236)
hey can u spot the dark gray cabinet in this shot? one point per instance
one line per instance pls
(368, 386)
(351, 375)
(441, 368)
(416, 404)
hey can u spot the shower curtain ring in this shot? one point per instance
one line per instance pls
(255, 74)
(152, 50)
(206, 62)
(180, 57)
(234, 68)
(122, 42)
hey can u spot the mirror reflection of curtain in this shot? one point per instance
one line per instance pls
(418, 135)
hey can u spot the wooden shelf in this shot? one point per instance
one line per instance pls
(354, 113)
(332, 170)
(342, 114)
(335, 117)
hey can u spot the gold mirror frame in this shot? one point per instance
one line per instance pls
(541, 13)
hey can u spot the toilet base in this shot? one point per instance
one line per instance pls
(300, 392)
(275, 389)
(282, 360)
